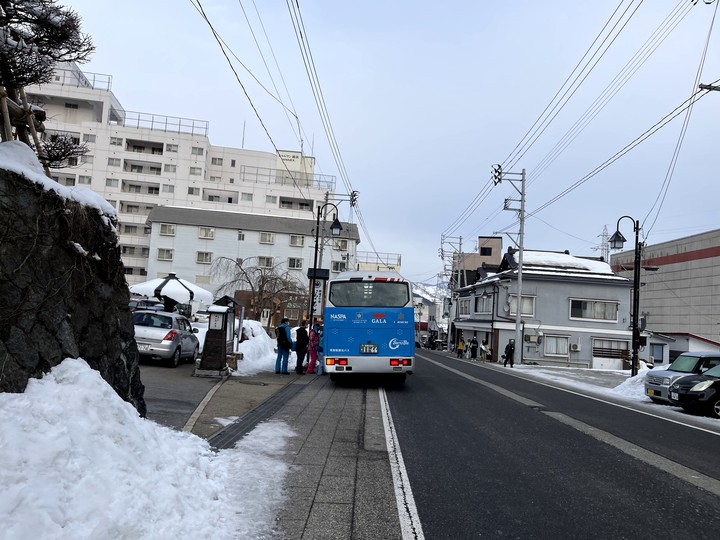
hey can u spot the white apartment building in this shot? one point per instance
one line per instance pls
(188, 240)
(142, 161)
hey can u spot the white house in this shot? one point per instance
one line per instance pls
(575, 311)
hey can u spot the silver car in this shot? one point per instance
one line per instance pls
(657, 382)
(165, 336)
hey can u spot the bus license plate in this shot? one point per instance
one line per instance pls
(368, 348)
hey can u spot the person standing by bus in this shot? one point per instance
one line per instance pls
(284, 344)
(313, 347)
(301, 346)
(460, 349)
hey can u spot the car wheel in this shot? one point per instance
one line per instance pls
(715, 409)
(176, 358)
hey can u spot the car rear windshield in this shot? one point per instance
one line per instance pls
(685, 364)
(152, 319)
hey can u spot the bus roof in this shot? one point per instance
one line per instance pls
(369, 276)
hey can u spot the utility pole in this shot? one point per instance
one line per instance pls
(498, 176)
(455, 262)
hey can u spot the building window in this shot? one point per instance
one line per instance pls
(265, 262)
(246, 197)
(133, 188)
(116, 141)
(292, 313)
(170, 168)
(527, 308)
(87, 180)
(213, 198)
(136, 168)
(485, 251)
(464, 306)
(167, 229)
(155, 170)
(596, 310)
(215, 179)
(338, 266)
(195, 171)
(295, 263)
(89, 137)
(168, 188)
(165, 254)
(138, 148)
(130, 229)
(216, 161)
(610, 348)
(556, 345)
(196, 151)
(111, 182)
(341, 245)
(171, 147)
(128, 250)
(113, 162)
(271, 199)
(207, 233)
(483, 304)
(296, 240)
(267, 238)
(657, 352)
(241, 236)
(232, 162)
(204, 257)
(193, 191)
(71, 105)
(154, 190)
(156, 151)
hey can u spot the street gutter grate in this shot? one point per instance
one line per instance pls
(232, 433)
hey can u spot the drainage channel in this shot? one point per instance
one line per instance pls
(232, 433)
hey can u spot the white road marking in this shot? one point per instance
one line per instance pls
(410, 525)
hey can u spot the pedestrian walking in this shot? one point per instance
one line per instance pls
(460, 348)
(484, 350)
(474, 348)
(509, 353)
(302, 339)
(313, 347)
(284, 345)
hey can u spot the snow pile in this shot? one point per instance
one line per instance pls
(78, 462)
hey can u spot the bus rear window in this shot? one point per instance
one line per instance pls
(369, 294)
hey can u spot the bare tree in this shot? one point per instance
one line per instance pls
(34, 36)
(268, 287)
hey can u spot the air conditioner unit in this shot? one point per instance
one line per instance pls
(575, 347)
(531, 338)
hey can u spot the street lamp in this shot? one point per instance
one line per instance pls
(616, 242)
(335, 230)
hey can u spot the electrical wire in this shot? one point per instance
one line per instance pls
(198, 6)
(660, 200)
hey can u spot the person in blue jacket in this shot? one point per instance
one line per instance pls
(284, 344)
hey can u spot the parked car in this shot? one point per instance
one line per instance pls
(165, 336)
(698, 393)
(657, 382)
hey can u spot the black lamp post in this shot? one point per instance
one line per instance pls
(335, 230)
(616, 242)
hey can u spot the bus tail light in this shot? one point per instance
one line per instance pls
(336, 361)
(394, 362)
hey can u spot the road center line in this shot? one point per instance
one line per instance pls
(679, 471)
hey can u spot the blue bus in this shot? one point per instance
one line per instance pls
(369, 325)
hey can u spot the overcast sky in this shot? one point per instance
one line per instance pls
(424, 97)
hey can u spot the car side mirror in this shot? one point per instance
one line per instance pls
(196, 331)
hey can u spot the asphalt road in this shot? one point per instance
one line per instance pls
(490, 455)
(173, 394)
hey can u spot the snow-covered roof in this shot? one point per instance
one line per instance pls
(562, 261)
